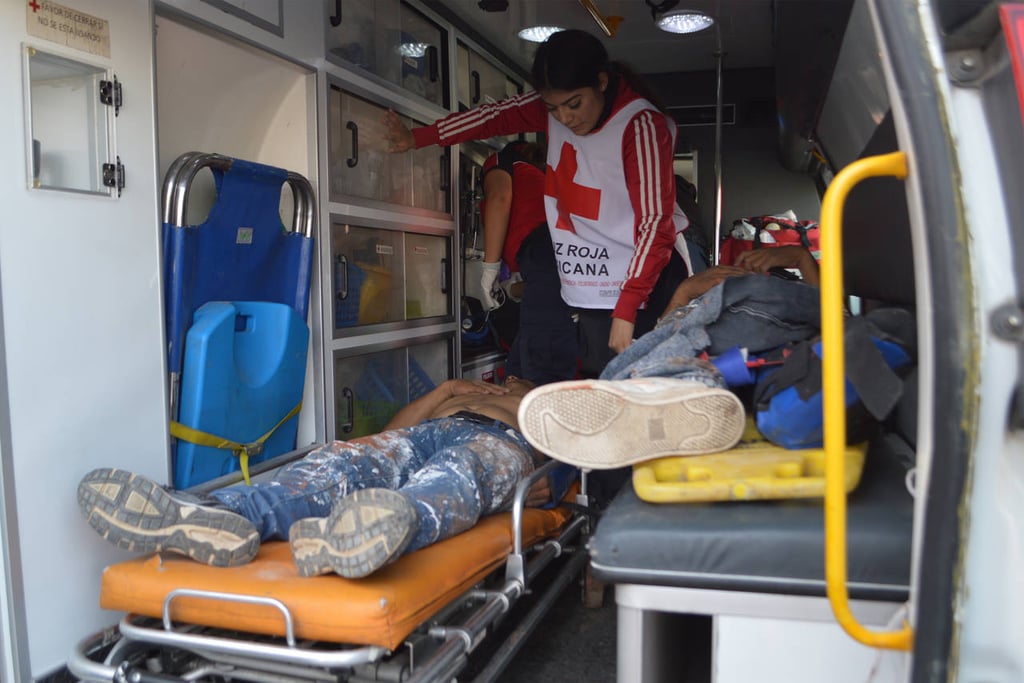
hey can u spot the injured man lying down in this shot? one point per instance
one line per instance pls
(349, 507)
(445, 460)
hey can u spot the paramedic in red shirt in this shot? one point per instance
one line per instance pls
(609, 184)
(515, 231)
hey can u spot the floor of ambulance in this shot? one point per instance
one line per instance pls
(577, 644)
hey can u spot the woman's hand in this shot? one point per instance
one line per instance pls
(620, 336)
(398, 135)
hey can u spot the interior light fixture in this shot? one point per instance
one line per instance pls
(538, 34)
(684, 21)
(415, 50)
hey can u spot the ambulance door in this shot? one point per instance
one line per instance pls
(82, 371)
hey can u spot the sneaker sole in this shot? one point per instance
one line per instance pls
(137, 514)
(365, 531)
(592, 427)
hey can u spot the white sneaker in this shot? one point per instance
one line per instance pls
(599, 424)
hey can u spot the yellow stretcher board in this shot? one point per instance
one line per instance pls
(754, 469)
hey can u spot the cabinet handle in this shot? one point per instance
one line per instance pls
(354, 159)
(475, 75)
(444, 275)
(350, 413)
(341, 275)
(336, 17)
(433, 63)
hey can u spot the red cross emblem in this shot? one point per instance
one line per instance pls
(34, 5)
(570, 197)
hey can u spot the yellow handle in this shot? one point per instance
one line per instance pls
(834, 390)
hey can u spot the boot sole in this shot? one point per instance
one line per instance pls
(137, 514)
(365, 531)
(593, 427)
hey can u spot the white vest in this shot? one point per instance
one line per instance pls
(594, 237)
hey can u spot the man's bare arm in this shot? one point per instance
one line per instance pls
(425, 407)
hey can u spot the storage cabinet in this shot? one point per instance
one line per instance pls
(386, 276)
(480, 81)
(399, 232)
(393, 41)
(372, 385)
(362, 168)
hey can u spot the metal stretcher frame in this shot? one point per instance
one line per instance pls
(175, 194)
(473, 615)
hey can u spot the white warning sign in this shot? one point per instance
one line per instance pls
(67, 26)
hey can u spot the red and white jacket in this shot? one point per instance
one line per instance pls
(610, 194)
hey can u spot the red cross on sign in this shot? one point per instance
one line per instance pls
(570, 197)
(34, 5)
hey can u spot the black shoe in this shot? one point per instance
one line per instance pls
(136, 513)
(365, 531)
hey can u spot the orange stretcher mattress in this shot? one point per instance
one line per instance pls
(381, 609)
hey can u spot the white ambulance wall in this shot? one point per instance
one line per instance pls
(218, 94)
(83, 347)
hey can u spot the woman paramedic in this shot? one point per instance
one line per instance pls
(609, 185)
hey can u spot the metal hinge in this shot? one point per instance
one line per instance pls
(113, 176)
(110, 94)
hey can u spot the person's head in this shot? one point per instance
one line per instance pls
(571, 72)
(535, 153)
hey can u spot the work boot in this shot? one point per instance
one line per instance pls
(366, 530)
(136, 513)
(599, 424)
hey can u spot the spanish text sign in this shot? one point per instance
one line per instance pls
(67, 26)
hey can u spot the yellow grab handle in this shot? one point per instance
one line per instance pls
(834, 390)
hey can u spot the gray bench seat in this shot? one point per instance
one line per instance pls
(763, 546)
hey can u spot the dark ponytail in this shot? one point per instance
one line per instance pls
(573, 59)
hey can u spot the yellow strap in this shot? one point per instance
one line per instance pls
(242, 451)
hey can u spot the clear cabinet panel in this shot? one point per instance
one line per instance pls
(359, 32)
(369, 388)
(480, 81)
(421, 54)
(362, 167)
(367, 276)
(392, 41)
(427, 276)
(69, 124)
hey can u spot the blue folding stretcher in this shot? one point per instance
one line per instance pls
(235, 394)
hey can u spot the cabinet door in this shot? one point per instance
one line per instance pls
(369, 388)
(367, 277)
(427, 276)
(361, 34)
(390, 40)
(422, 56)
(361, 166)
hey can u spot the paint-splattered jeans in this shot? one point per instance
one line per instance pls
(452, 470)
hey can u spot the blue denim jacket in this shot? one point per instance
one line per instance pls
(757, 312)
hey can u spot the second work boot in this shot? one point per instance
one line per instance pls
(136, 513)
(599, 424)
(366, 530)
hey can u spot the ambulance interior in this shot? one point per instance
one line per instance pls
(772, 103)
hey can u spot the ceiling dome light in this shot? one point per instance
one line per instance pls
(538, 34)
(684, 21)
